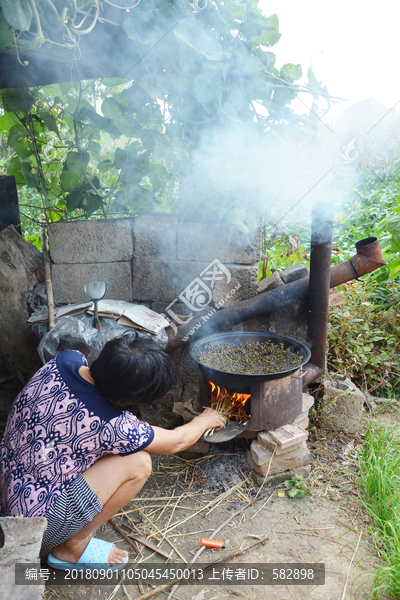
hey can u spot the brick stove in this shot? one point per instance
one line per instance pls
(277, 408)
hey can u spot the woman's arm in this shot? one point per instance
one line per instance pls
(171, 441)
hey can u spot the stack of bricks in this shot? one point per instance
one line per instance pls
(281, 457)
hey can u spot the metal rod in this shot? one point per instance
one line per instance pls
(47, 275)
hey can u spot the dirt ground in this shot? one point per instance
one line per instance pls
(188, 499)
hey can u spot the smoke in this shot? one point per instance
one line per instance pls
(263, 162)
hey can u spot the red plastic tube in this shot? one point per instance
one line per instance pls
(212, 543)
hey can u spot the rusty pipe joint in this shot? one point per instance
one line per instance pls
(368, 258)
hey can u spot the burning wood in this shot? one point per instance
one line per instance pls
(230, 405)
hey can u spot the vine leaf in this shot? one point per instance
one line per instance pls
(74, 162)
(74, 199)
(14, 168)
(31, 179)
(230, 112)
(111, 108)
(17, 99)
(18, 13)
(72, 175)
(292, 72)
(6, 122)
(6, 36)
(196, 39)
(91, 202)
(50, 121)
(98, 121)
(16, 139)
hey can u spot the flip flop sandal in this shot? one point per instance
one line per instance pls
(94, 557)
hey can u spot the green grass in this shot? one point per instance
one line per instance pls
(379, 472)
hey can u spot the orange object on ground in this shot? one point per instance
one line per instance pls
(212, 543)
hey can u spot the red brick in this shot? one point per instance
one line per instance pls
(261, 456)
(278, 465)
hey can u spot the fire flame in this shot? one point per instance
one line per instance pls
(230, 404)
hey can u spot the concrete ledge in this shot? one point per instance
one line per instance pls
(69, 280)
(207, 241)
(294, 273)
(100, 241)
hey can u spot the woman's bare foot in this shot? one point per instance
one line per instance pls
(72, 550)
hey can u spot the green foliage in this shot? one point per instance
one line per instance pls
(379, 479)
(364, 335)
(297, 487)
(280, 250)
(373, 211)
(116, 147)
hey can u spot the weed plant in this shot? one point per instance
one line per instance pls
(364, 336)
(379, 473)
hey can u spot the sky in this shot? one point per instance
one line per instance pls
(352, 45)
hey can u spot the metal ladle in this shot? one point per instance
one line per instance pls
(95, 291)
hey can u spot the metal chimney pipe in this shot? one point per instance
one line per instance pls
(320, 274)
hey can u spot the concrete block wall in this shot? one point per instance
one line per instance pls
(86, 251)
(151, 260)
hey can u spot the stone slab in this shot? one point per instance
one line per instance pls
(155, 236)
(69, 280)
(280, 477)
(22, 541)
(336, 299)
(101, 241)
(342, 405)
(270, 283)
(261, 456)
(208, 241)
(294, 273)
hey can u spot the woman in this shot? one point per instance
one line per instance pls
(72, 452)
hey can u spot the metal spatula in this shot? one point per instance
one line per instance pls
(95, 291)
(228, 432)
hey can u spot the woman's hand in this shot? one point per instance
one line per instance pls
(214, 418)
(169, 442)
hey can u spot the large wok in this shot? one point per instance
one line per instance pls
(236, 382)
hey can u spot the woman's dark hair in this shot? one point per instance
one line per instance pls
(131, 370)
